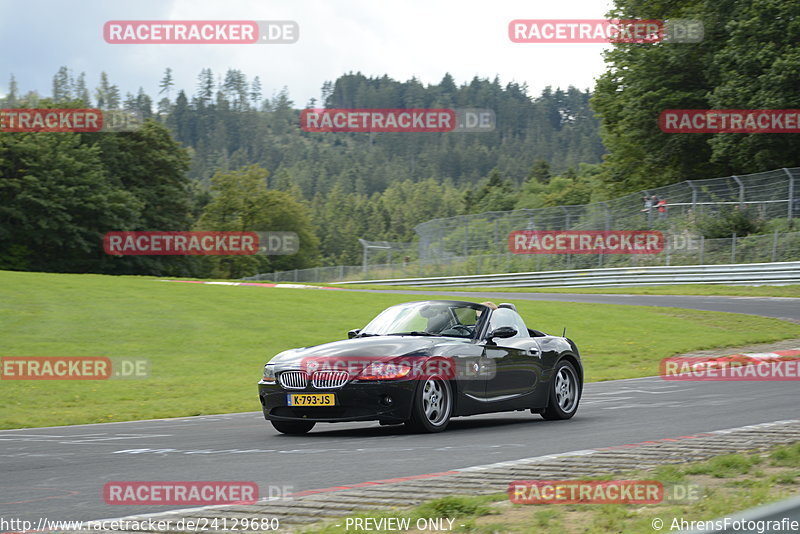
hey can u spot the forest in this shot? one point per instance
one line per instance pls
(222, 155)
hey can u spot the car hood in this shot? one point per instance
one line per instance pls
(379, 348)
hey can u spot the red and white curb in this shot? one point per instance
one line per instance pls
(397, 489)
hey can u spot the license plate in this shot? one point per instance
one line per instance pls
(312, 399)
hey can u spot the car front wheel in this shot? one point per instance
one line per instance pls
(564, 393)
(433, 405)
(293, 428)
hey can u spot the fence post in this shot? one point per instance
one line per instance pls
(466, 237)
(775, 246)
(702, 248)
(733, 248)
(295, 275)
(790, 201)
(566, 217)
(694, 194)
(365, 260)
(609, 217)
(741, 189)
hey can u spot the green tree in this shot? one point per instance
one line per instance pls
(106, 94)
(748, 59)
(496, 194)
(758, 68)
(82, 91)
(56, 203)
(241, 202)
(540, 172)
(166, 84)
(62, 88)
(12, 96)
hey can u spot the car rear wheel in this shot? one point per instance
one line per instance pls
(433, 405)
(293, 428)
(564, 393)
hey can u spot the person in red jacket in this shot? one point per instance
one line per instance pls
(661, 205)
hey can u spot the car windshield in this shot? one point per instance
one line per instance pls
(451, 319)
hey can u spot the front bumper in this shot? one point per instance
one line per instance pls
(363, 401)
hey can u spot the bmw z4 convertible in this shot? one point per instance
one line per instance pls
(422, 363)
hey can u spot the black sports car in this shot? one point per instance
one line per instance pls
(421, 363)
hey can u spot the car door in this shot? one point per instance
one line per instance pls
(470, 363)
(472, 372)
(517, 362)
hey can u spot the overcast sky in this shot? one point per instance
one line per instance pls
(401, 38)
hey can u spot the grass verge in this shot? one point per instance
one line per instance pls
(206, 344)
(726, 484)
(791, 291)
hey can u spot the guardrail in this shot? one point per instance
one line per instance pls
(782, 516)
(750, 273)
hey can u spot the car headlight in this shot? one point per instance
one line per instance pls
(384, 371)
(269, 373)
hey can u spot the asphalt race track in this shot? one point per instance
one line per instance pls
(779, 307)
(59, 472)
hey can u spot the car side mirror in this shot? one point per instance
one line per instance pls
(353, 333)
(503, 332)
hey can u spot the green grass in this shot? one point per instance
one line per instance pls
(786, 456)
(726, 466)
(741, 488)
(207, 344)
(792, 291)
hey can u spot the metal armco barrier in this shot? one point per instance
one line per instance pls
(750, 273)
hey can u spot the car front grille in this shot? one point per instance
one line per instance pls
(329, 379)
(293, 379)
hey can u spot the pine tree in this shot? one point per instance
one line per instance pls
(255, 92)
(205, 87)
(61, 86)
(540, 172)
(325, 94)
(108, 96)
(81, 91)
(144, 104)
(166, 83)
(11, 97)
